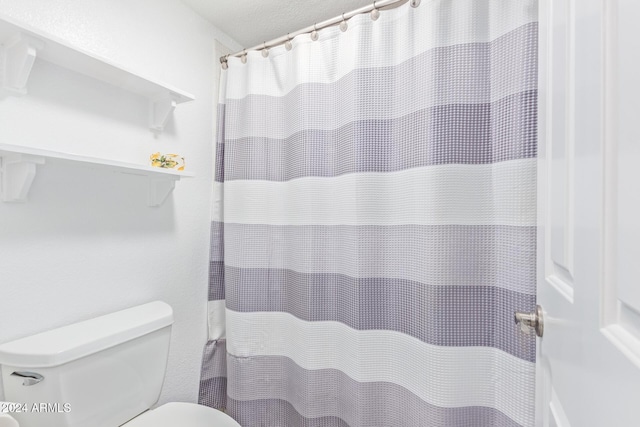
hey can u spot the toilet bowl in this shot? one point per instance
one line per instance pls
(182, 414)
(103, 372)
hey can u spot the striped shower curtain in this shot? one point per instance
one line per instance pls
(374, 224)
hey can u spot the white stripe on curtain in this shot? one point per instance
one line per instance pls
(490, 194)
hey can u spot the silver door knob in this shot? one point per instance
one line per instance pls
(530, 322)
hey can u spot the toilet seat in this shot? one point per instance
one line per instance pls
(182, 414)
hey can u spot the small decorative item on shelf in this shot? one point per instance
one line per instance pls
(167, 161)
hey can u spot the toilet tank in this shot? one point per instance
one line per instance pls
(98, 373)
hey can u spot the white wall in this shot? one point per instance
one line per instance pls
(86, 243)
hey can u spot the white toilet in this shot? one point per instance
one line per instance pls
(103, 372)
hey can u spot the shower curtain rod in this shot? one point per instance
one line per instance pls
(379, 4)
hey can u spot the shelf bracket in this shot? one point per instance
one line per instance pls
(161, 110)
(17, 172)
(159, 189)
(18, 55)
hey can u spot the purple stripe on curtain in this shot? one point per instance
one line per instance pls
(457, 316)
(459, 133)
(213, 378)
(488, 255)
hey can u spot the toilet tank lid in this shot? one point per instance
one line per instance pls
(68, 343)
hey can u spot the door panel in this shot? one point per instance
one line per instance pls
(558, 418)
(589, 213)
(621, 287)
(559, 265)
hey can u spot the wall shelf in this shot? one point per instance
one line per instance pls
(20, 45)
(18, 168)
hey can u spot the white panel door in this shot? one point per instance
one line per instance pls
(589, 213)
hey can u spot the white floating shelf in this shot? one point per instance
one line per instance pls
(18, 169)
(21, 44)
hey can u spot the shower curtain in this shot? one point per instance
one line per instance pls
(374, 224)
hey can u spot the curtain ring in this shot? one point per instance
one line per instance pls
(415, 3)
(343, 24)
(288, 44)
(314, 33)
(375, 13)
(223, 62)
(265, 51)
(243, 58)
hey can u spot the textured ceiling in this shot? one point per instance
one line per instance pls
(250, 22)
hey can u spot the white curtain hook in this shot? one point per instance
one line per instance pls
(375, 13)
(243, 58)
(343, 24)
(288, 44)
(415, 3)
(314, 33)
(265, 51)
